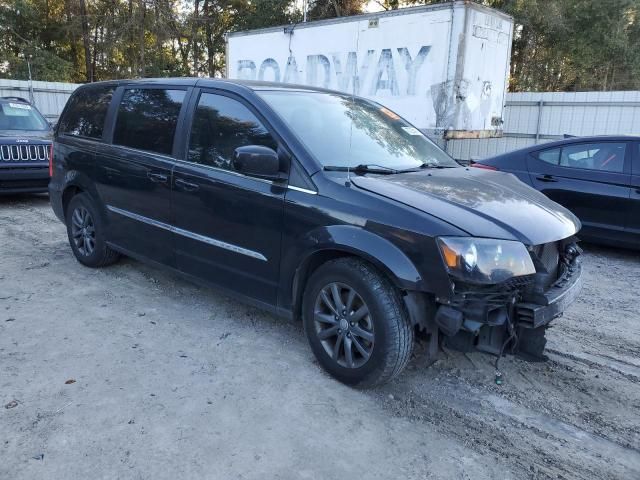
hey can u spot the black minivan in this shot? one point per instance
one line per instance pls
(317, 206)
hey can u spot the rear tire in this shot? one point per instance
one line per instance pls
(356, 323)
(85, 229)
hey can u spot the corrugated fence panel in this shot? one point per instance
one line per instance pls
(49, 97)
(537, 117)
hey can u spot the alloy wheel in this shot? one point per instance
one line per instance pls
(83, 231)
(343, 325)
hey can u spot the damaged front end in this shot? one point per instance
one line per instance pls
(509, 315)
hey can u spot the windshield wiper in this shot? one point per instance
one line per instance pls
(425, 166)
(362, 168)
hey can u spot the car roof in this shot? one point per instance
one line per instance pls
(210, 83)
(565, 141)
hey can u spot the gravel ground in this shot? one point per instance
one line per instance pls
(131, 372)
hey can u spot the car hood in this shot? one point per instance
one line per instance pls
(480, 202)
(12, 135)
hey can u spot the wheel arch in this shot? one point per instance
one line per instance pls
(350, 241)
(76, 183)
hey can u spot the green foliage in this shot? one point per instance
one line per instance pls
(559, 45)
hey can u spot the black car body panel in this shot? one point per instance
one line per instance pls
(483, 204)
(24, 153)
(260, 239)
(605, 197)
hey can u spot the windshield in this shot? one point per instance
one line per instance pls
(341, 131)
(20, 116)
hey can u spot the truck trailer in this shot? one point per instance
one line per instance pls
(442, 67)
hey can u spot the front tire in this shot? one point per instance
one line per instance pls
(85, 230)
(356, 323)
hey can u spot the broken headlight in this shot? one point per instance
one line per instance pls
(485, 260)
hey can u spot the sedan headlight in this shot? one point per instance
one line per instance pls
(485, 260)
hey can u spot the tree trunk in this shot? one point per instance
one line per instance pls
(194, 37)
(336, 7)
(85, 40)
(143, 14)
(95, 50)
(208, 39)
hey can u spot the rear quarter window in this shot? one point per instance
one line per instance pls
(551, 156)
(86, 112)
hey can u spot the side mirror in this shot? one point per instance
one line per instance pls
(257, 161)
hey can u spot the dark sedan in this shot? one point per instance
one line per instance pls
(25, 147)
(597, 178)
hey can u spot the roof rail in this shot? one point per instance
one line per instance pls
(17, 99)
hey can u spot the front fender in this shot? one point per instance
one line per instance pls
(371, 247)
(329, 241)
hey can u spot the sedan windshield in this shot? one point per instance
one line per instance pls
(347, 132)
(20, 116)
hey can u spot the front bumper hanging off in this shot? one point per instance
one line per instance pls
(553, 302)
(491, 318)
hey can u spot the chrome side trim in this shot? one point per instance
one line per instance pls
(303, 190)
(189, 234)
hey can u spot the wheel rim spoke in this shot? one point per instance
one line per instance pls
(337, 300)
(336, 347)
(328, 302)
(77, 218)
(328, 332)
(350, 298)
(359, 332)
(363, 351)
(348, 353)
(326, 318)
(359, 314)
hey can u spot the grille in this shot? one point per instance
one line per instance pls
(24, 153)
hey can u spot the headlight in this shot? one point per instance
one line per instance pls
(484, 260)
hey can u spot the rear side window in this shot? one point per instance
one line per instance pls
(605, 156)
(85, 114)
(220, 125)
(147, 119)
(550, 156)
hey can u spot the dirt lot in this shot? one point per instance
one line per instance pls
(176, 381)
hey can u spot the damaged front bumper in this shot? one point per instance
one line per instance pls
(554, 301)
(508, 317)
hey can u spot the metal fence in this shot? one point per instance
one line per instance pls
(48, 97)
(538, 117)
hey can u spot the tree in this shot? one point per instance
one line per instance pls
(558, 44)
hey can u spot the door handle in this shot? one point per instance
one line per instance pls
(186, 186)
(546, 178)
(157, 177)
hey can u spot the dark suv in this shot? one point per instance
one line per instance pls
(25, 147)
(317, 206)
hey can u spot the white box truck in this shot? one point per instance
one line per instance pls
(443, 67)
